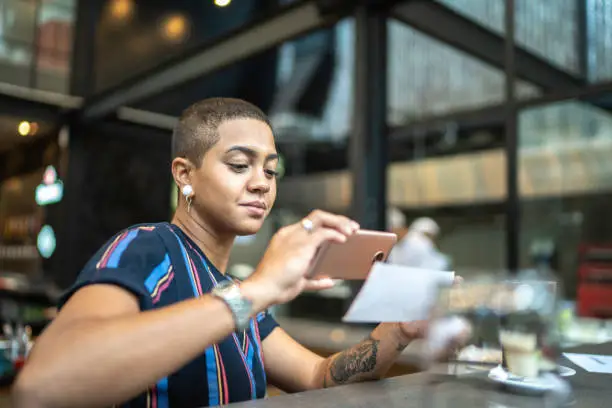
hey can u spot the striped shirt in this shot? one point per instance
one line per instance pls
(161, 266)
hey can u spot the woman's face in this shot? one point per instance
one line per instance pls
(235, 186)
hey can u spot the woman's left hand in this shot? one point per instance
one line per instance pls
(418, 329)
(414, 330)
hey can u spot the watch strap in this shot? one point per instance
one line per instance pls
(241, 307)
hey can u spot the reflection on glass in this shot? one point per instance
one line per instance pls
(453, 174)
(36, 43)
(563, 149)
(55, 37)
(548, 29)
(18, 21)
(17, 26)
(565, 178)
(324, 60)
(429, 78)
(599, 18)
(15, 53)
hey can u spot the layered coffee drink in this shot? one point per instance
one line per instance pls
(521, 353)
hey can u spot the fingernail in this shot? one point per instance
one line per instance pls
(355, 225)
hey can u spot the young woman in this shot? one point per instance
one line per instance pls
(152, 320)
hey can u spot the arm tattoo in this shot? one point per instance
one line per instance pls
(357, 360)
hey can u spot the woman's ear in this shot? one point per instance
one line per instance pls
(181, 171)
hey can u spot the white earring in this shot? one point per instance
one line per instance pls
(188, 193)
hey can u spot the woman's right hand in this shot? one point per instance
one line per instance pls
(281, 274)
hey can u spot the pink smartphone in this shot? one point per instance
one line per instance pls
(353, 259)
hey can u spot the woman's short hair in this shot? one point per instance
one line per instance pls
(197, 128)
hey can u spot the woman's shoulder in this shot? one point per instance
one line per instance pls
(138, 238)
(140, 231)
(147, 227)
(127, 259)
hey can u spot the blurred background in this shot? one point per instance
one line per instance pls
(492, 117)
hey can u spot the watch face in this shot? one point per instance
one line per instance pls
(241, 307)
(225, 285)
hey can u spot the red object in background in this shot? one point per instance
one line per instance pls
(594, 295)
(595, 272)
(595, 252)
(19, 363)
(595, 300)
(55, 44)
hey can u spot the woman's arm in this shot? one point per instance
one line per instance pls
(294, 368)
(368, 360)
(99, 350)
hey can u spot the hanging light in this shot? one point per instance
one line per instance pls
(222, 3)
(24, 128)
(175, 27)
(121, 9)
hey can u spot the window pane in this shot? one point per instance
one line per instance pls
(300, 62)
(17, 26)
(66, 4)
(429, 78)
(55, 28)
(15, 62)
(565, 183)
(454, 175)
(18, 21)
(463, 193)
(548, 28)
(600, 39)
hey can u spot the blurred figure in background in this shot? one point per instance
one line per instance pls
(416, 247)
(396, 222)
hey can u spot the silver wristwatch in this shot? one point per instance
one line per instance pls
(241, 307)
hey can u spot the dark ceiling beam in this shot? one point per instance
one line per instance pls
(443, 24)
(35, 104)
(473, 119)
(290, 22)
(147, 118)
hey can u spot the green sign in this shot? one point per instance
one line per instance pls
(46, 242)
(51, 190)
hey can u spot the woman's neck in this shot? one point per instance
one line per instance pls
(216, 247)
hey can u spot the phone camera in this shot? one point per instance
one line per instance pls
(378, 257)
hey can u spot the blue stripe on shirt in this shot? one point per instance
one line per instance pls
(162, 393)
(257, 349)
(115, 257)
(211, 376)
(158, 272)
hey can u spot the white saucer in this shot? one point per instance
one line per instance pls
(566, 371)
(537, 385)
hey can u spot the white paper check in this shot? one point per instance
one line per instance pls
(592, 362)
(394, 293)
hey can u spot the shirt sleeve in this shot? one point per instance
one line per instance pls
(127, 260)
(266, 324)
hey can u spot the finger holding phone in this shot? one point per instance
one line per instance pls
(281, 274)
